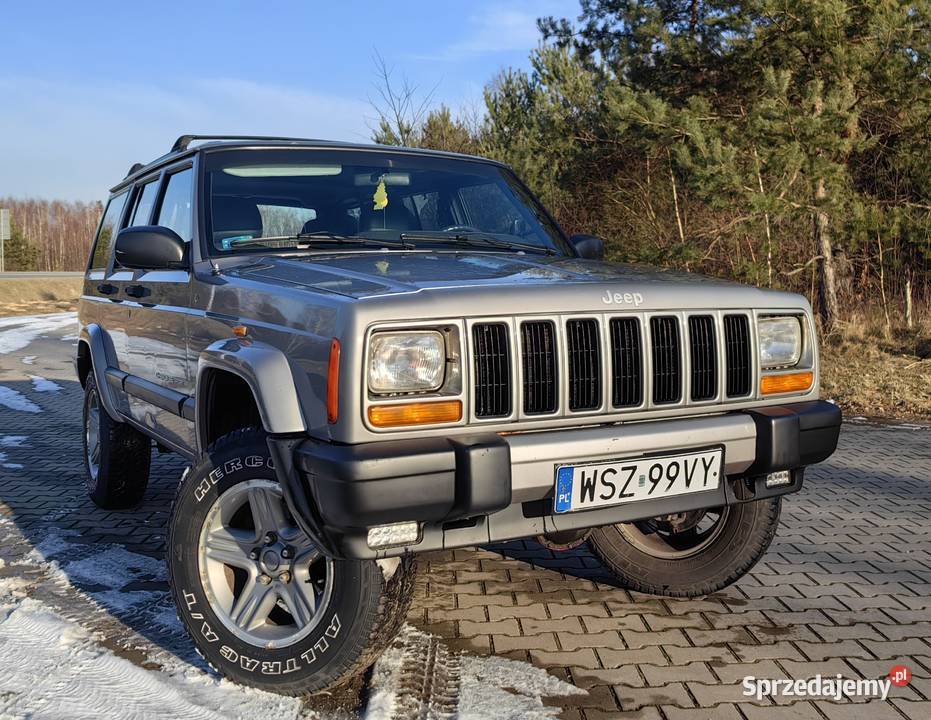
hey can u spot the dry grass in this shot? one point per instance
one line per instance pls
(876, 372)
(35, 296)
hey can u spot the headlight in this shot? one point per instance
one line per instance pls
(780, 341)
(406, 362)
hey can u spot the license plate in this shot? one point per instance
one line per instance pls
(582, 487)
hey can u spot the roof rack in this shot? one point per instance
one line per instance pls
(184, 141)
(136, 167)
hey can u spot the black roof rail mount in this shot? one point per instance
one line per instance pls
(136, 167)
(184, 141)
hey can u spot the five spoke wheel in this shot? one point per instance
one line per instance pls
(263, 576)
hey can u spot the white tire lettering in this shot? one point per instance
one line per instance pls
(202, 489)
(333, 628)
(229, 654)
(271, 668)
(247, 663)
(189, 598)
(209, 635)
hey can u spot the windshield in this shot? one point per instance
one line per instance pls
(262, 200)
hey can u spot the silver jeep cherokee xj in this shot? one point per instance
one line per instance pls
(369, 352)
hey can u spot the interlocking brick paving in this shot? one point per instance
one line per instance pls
(845, 587)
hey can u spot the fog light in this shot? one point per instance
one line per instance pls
(402, 533)
(776, 479)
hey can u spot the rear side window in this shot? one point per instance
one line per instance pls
(175, 212)
(109, 226)
(145, 200)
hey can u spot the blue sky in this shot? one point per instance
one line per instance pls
(86, 89)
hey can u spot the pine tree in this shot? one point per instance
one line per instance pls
(18, 254)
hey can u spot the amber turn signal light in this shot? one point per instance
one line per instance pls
(332, 383)
(416, 413)
(792, 382)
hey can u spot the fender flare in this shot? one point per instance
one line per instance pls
(101, 352)
(266, 371)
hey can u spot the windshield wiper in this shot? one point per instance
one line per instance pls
(475, 238)
(303, 240)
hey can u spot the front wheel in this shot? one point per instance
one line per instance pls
(263, 605)
(688, 554)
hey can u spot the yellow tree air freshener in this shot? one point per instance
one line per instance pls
(381, 196)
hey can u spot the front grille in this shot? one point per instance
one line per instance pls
(538, 358)
(703, 356)
(492, 370)
(584, 364)
(667, 375)
(737, 342)
(626, 362)
(560, 368)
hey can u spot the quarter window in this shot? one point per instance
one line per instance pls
(175, 212)
(145, 200)
(109, 226)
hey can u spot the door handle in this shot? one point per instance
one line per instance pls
(137, 291)
(107, 289)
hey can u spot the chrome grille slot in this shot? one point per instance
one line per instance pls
(538, 358)
(739, 364)
(667, 374)
(584, 349)
(627, 370)
(492, 363)
(703, 356)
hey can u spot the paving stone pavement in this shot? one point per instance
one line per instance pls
(845, 588)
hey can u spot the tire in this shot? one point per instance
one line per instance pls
(646, 560)
(357, 607)
(117, 457)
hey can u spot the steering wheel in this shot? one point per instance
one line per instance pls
(460, 228)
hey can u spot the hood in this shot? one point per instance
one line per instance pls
(362, 275)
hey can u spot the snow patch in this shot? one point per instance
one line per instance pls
(29, 360)
(388, 567)
(40, 384)
(494, 687)
(15, 400)
(115, 567)
(9, 441)
(53, 664)
(18, 331)
(53, 543)
(13, 586)
(8, 465)
(490, 688)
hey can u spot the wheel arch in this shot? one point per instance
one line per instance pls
(226, 370)
(93, 355)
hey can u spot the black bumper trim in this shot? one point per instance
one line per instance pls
(791, 436)
(435, 479)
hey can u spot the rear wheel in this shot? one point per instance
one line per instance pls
(117, 457)
(262, 603)
(688, 554)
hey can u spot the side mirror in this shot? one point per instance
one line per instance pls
(150, 247)
(589, 247)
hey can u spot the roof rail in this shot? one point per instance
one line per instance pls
(184, 141)
(136, 167)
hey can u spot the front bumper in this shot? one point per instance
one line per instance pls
(481, 488)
